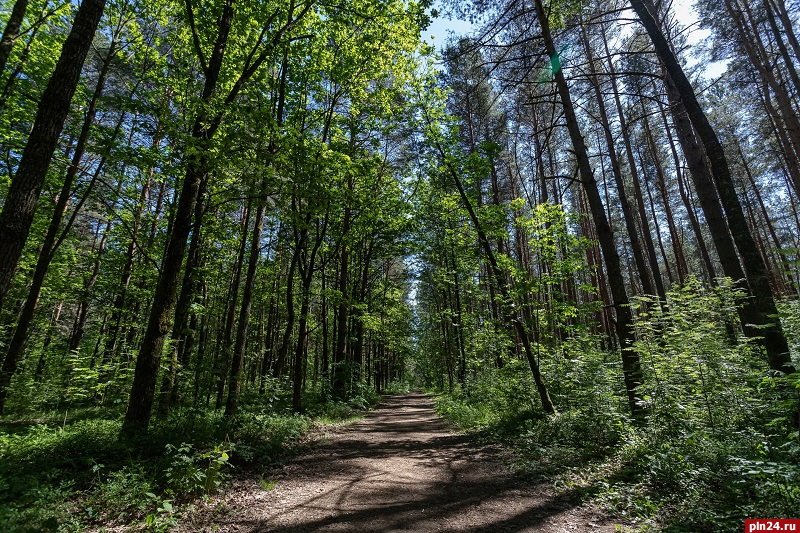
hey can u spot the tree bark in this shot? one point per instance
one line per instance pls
(766, 325)
(223, 361)
(627, 212)
(55, 235)
(82, 313)
(237, 361)
(198, 169)
(11, 31)
(169, 385)
(631, 367)
(657, 285)
(787, 269)
(682, 190)
(283, 349)
(661, 180)
(23, 194)
(782, 46)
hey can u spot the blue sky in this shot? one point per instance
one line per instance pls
(440, 28)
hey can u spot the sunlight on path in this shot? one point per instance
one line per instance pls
(403, 469)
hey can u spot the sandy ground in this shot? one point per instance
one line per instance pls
(399, 469)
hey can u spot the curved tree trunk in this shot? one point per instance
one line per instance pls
(514, 322)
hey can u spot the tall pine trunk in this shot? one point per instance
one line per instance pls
(627, 213)
(765, 324)
(631, 367)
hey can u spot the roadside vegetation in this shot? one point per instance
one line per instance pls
(718, 442)
(69, 471)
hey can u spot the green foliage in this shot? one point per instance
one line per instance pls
(700, 481)
(262, 436)
(716, 447)
(398, 387)
(191, 473)
(496, 401)
(500, 406)
(77, 472)
(560, 256)
(695, 372)
(790, 320)
(43, 467)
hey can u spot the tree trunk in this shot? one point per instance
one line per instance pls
(657, 283)
(237, 361)
(306, 268)
(340, 374)
(169, 385)
(786, 22)
(283, 349)
(11, 32)
(627, 212)
(657, 228)
(269, 338)
(661, 181)
(514, 322)
(13, 76)
(325, 363)
(223, 361)
(82, 314)
(148, 360)
(54, 104)
(631, 368)
(759, 58)
(787, 268)
(127, 270)
(690, 214)
(53, 238)
(773, 24)
(763, 301)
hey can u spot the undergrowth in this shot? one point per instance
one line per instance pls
(716, 445)
(67, 474)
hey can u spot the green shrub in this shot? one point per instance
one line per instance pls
(716, 445)
(191, 472)
(80, 472)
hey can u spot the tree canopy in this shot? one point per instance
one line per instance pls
(218, 210)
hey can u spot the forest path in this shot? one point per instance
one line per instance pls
(401, 468)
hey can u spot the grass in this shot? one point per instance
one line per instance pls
(66, 475)
(681, 478)
(267, 484)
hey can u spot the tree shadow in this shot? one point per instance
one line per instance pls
(402, 469)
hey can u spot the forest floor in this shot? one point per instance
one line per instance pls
(401, 468)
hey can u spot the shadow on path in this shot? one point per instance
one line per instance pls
(403, 469)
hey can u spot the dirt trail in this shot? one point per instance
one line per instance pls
(400, 469)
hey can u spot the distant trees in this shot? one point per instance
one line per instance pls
(613, 131)
(198, 208)
(244, 197)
